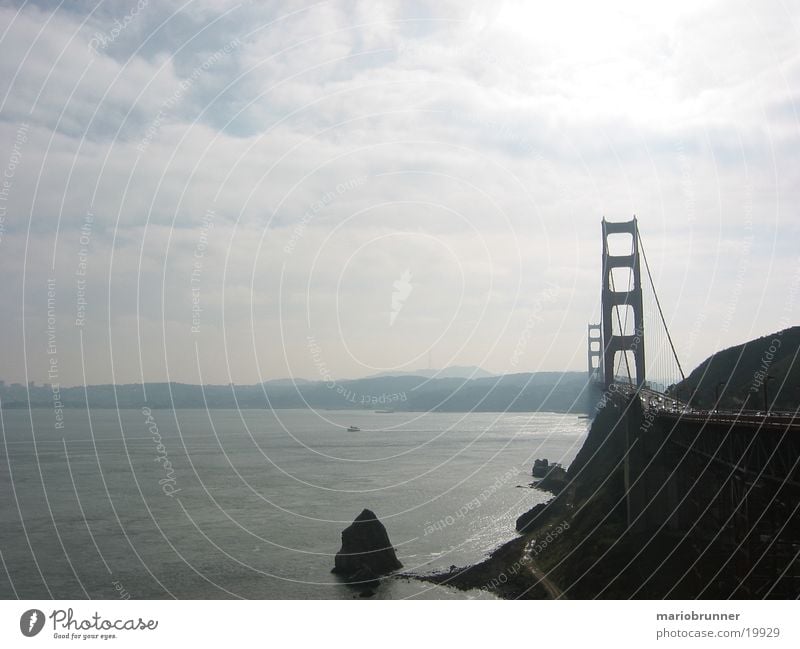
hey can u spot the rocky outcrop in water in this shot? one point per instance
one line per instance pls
(366, 551)
(540, 468)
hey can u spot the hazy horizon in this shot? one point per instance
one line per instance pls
(421, 372)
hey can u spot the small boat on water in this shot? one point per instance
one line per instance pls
(353, 429)
(384, 412)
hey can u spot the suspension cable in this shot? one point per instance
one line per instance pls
(658, 304)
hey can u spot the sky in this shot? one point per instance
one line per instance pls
(235, 192)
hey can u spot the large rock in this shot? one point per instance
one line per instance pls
(540, 468)
(366, 551)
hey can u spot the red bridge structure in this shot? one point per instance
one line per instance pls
(725, 481)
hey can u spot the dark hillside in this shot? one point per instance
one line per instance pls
(739, 373)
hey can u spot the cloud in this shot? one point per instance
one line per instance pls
(338, 144)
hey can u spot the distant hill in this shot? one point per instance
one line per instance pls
(739, 373)
(550, 391)
(453, 372)
(286, 382)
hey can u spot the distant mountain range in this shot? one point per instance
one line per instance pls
(551, 391)
(277, 382)
(454, 372)
(738, 373)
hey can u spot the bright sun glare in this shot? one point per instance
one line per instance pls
(607, 55)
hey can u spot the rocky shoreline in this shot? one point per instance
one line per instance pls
(512, 571)
(579, 545)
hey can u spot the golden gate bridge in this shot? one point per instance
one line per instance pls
(724, 480)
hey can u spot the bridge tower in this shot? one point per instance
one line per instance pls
(614, 300)
(595, 351)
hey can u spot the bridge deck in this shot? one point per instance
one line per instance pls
(665, 406)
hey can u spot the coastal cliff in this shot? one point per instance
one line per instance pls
(641, 517)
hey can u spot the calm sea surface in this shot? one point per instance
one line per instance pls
(259, 498)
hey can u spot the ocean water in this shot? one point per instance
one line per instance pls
(226, 504)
